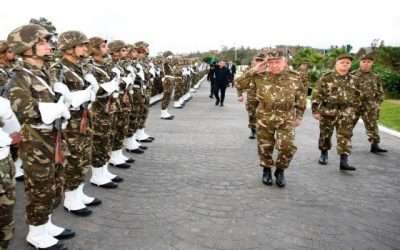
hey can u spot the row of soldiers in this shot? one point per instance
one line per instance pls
(276, 101)
(87, 110)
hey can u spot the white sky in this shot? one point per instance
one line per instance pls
(201, 25)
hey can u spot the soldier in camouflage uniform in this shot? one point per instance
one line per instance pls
(79, 87)
(102, 114)
(281, 106)
(7, 173)
(251, 100)
(122, 116)
(168, 86)
(179, 84)
(304, 74)
(7, 59)
(34, 102)
(372, 94)
(334, 102)
(143, 77)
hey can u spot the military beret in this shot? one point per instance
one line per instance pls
(369, 56)
(3, 46)
(344, 56)
(274, 54)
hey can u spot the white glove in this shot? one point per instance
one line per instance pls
(5, 108)
(130, 69)
(153, 72)
(128, 79)
(141, 72)
(65, 109)
(63, 89)
(50, 111)
(116, 71)
(80, 97)
(110, 86)
(93, 82)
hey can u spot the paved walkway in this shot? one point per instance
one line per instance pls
(198, 187)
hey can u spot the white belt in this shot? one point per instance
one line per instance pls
(136, 86)
(4, 152)
(43, 126)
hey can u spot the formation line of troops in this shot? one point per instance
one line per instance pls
(276, 101)
(86, 110)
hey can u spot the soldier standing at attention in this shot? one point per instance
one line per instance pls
(79, 88)
(280, 111)
(372, 94)
(334, 102)
(35, 104)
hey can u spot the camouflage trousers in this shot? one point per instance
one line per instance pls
(251, 107)
(7, 201)
(136, 100)
(121, 128)
(271, 133)
(370, 116)
(79, 146)
(102, 137)
(144, 109)
(44, 181)
(168, 87)
(343, 122)
(179, 88)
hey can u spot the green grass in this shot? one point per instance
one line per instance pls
(390, 114)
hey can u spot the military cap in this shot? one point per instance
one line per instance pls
(274, 54)
(344, 56)
(116, 45)
(3, 46)
(259, 56)
(70, 39)
(25, 37)
(369, 56)
(167, 53)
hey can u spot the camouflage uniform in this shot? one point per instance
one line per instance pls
(43, 178)
(179, 82)
(372, 94)
(102, 114)
(79, 138)
(251, 104)
(281, 101)
(7, 195)
(168, 85)
(335, 99)
(305, 79)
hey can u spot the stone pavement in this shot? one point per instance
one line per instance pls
(198, 186)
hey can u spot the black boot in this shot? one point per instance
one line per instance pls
(216, 102)
(344, 163)
(252, 133)
(267, 176)
(66, 234)
(323, 159)
(376, 149)
(280, 178)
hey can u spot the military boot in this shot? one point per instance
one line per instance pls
(376, 149)
(267, 176)
(280, 178)
(252, 133)
(344, 163)
(323, 159)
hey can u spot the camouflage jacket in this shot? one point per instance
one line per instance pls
(251, 92)
(305, 78)
(334, 92)
(278, 95)
(370, 86)
(104, 102)
(27, 91)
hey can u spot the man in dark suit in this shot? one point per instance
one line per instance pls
(222, 77)
(211, 78)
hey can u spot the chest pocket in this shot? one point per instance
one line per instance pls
(40, 92)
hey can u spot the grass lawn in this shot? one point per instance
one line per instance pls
(390, 114)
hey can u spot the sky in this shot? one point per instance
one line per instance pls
(189, 26)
